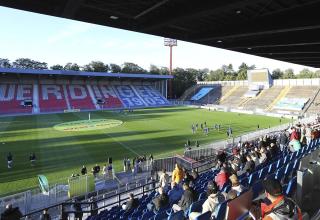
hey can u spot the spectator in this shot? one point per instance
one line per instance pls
(222, 177)
(280, 207)
(175, 193)
(186, 200)
(45, 215)
(10, 160)
(232, 194)
(294, 145)
(249, 166)
(235, 185)
(130, 204)
(164, 179)
(32, 159)
(194, 174)
(94, 207)
(308, 134)
(177, 174)
(212, 202)
(84, 170)
(109, 170)
(294, 134)
(263, 155)
(283, 140)
(11, 213)
(125, 165)
(161, 201)
(255, 159)
(128, 165)
(96, 170)
(274, 149)
(187, 177)
(78, 210)
(104, 171)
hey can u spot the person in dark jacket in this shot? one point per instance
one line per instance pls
(78, 210)
(162, 200)
(186, 200)
(131, 203)
(45, 215)
(175, 193)
(11, 213)
(84, 170)
(250, 165)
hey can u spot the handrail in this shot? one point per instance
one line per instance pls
(109, 197)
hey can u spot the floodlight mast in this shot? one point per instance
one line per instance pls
(170, 43)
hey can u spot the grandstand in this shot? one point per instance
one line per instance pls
(35, 91)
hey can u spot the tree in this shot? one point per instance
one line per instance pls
(202, 74)
(243, 71)
(182, 80)
(72, 66)
(96, 66)
(5, 63)
(26, 63)
(132, 68)
(277, 74)
(56, 67)
(164, 71)
(306, 73)
(115, 68)
(317, 74)
(216, 75)
(289, 74)
(154, 69)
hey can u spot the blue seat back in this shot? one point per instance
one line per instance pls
(160, 216)
(204, 216)
(176, 215)
(292, 185)
(221, 213)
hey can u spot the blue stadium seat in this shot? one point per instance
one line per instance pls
(196, 206)
(221, 213)
(280, 173)
(244, 181)
(292, 186)
(160, 216)
(202, 196)
(262, 173)
(204, 216)
(176, 215)
(147, 215)
(272, 167)
(257, 189)
(253, 178)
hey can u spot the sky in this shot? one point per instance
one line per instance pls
(59, 41)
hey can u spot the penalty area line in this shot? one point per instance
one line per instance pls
(123, 145)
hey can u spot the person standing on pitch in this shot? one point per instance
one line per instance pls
(10, 160)
(32, 159)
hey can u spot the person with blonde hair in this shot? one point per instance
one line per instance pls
(177, 174)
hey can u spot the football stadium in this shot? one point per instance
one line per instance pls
(77, 143)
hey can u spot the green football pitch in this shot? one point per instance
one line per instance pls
(64, 142)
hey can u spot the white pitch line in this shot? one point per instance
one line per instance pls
(124, 145)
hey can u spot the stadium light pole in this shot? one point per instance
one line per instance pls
(168, 42)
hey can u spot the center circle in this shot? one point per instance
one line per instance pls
(87, 125)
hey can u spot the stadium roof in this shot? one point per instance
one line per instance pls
(286, 30)
(84, 74)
